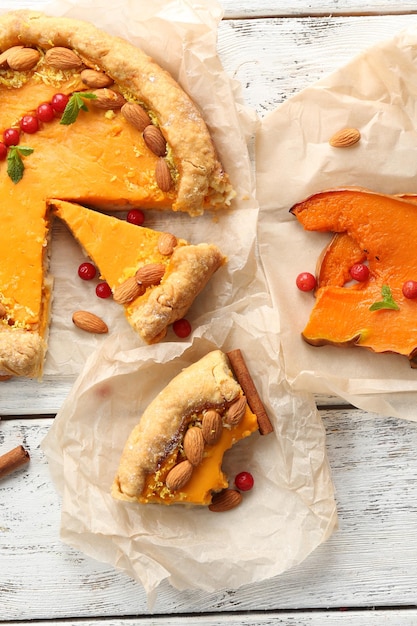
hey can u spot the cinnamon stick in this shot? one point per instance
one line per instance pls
(246, 382)
(12, 460)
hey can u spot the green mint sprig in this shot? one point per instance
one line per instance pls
(74, 105)
(15, 165)
(387, 301)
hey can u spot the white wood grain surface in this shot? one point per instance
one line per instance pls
(273, 48)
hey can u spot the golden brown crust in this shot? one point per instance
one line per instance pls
(191, 267)
(21, 353)
(202, 182)
(207, 383)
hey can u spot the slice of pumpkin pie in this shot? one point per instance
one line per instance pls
(88, 118)
(174, 454)
(154, 275)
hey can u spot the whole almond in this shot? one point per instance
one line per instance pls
(63, 59)
(23, 59)
(2, 310)
(136, 115)
(345, 138)
(194, 445)
(128, 290)
(166, 243)
(150, 274)
(212, 426)
(89, 322)
(163, 175)
(225, 500)
(236, 411)
(4, 55)
(96, 79)
(107, 99)
(179, 475)
(155, 140)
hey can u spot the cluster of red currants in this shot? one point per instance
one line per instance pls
(30, 123)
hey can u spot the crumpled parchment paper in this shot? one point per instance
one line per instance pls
(291, 510)
(376, 93)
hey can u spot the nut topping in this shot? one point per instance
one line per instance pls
(22, 59)
(155, 140)
(179, 475)
(194, 445)
(89, 322)
(107, 99)
(225, 500)
(95, 79)
(150, 274)
(136, 115)
(212, 426)
(236, 411)
(4, 55)
(167, 243)
(128, 290)
(163, 175)
(2, 310)
(63, 59)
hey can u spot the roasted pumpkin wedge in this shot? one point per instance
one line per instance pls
(379, 229)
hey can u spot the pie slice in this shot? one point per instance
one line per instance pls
(174, 454)
(128, 137)
(153, 274)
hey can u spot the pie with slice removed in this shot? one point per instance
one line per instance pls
(174, 454)
(153, 274)
(129, 137)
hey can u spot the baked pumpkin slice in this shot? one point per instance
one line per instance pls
(154, 275)
(376, 229)
(89, 118)
(174, 454)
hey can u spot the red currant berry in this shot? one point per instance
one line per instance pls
(59, 102)
(29, 124)
(410, 289)
(182, 328)
(11, 137)
(103, 290)
(305, 281)
(359, 272)
(87, 271)
(45, 112)
(135, 216)
(244, 481)
(3, 151)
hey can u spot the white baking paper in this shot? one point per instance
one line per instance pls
(291, 510)
(376, 93)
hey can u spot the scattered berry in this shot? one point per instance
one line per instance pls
(103, 290)
(29, 124)
(11, 137)
(182, 328)
(45, 112)
(359, 272)
(135, 216)
(87, 271)
(59, 102)
(306, 281)
(3, 151)
(244, 481)
(410, 289)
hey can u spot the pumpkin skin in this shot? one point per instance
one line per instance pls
(381, 230)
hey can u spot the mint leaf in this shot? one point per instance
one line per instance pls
(74, 106)
(15, 165)
(387, 301)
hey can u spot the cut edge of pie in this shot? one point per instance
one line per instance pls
(175, 452)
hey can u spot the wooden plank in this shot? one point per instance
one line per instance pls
(369, 561)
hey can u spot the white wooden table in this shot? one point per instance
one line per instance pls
(366, 573)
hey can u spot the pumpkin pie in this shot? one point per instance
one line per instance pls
(87, 118)
(154, 275)
(174, 454)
